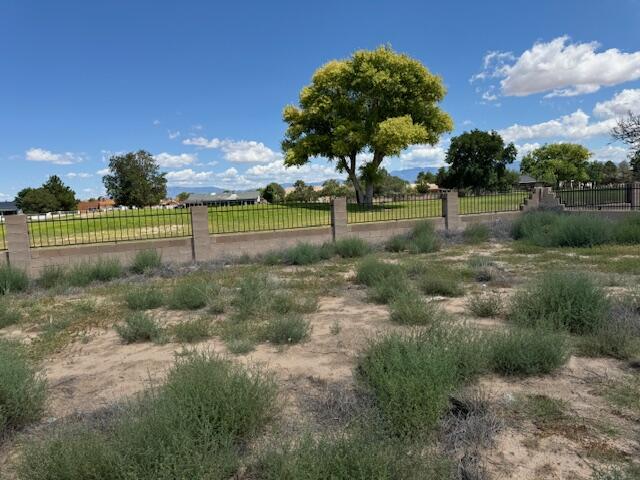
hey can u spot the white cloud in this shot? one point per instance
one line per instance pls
(526, 148)
(42, 155)
(240, 151)
(277, 171)
(610, 152)
(189, 177)
(104, 171)
(561, 68)
(574, 126)
(168, 160)
(424, 156)
(78, 175)
(619, 105)
(173, 134)
(5, 197)
(156, 122)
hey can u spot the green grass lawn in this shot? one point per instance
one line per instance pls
(144, 224)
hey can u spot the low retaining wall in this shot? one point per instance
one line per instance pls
(378, 232)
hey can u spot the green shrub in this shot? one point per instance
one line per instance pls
(22, 389)
(8, 315)
(102, 271)
(386, 290)
(191, 427)
(423, 239)
(410, 309)
(627, 230)
(528, 352)
(12, 280)
(253, 295)
(240, 346)
(440, 281)
(139, 327)
(191, 294)
(286, 301)
(347, 457)
(145, 261)
(371, 271)
(411, 376)
(550, 229)
(563, 300)
(475, 233)
(144, 297)
(193, 330)
(397, 243)
(53, 276)
(288, 329)
(307, 254)
(351, 247)
(486, 305)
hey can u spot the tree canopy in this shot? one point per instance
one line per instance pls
(273, 193)
(424, 180)
(301, 192)
(557, 163)
(478, 160)
(333, 188)
(52, 196)
(628, 131)
(135, 180)
(376, 103)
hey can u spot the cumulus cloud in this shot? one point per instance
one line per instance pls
(277, 171)
(240, 151)
(561, 68)
(42, 155)
(104, 171)
(424, 156)
(189, 177)
(610, 152)
(173, 134)
(168, 160)
(78, 175)
(619, 105)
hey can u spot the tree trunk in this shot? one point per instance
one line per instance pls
(368, 198)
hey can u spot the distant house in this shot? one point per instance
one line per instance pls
(527, 181)
(226, 198)
(96, 205)
(8, 208)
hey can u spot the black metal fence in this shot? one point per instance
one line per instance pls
(73, 228)
(610, 197)
(396, 207)
(492, 202)
(238, 218)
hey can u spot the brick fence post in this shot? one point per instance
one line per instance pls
(339, 227)
(202, 241)
(18, 242)
(450, 211)
(635, 196)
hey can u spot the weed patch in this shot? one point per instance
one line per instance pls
(139, 327)
(146, 261)
(476, 233)
(8, 315)
(286, 330)
(351, 247)
(410, 309)
(12, 280)
(145, 298)
(440, 281)
(191, 294)
(193, 330)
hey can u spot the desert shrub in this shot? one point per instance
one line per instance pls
(192, 330)
(287, 329)
(138, 327)
(386, 290)
(103, 270)
(410, 309)
(440, 281)
(191, 294)
(144, 297)
(371, 271)
(307, 253)
(52, 276)
(627, 230)
(253, 295)
(482, 267)
(191, 427)
(397, 243)
(347, 457)
(619, 335)
(286, 301)
(423, 239)
(12, 280)
(8, 316)
(412, 375)
(22, 389)
(528, 352)
(564, 300)
(485, 305)
(351, 247)
(550, 229)
(475, 233)
(145, 261)
(240, 345)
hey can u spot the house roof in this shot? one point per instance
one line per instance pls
(223, 197)
(527, 179)
(8, 207)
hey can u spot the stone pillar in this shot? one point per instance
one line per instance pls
(339, 227)
(635, 196)
(450, 211)
(533, 202)
(202, 241)
(18, 242)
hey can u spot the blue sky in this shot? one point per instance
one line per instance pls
(202, 84)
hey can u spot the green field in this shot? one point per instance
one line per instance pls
(115, 226)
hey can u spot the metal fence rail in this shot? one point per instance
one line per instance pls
(238, 218)
(3, 236)
(73, 228)
(397, 207)
(492, 202)
(611, 197)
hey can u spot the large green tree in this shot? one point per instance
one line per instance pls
(273, 193)
(478, 160)
(135, 180)
(376, 103)
(557, 163)
(52, 196)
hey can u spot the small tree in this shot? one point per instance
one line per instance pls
(333, 188)
(609, 173)
(273, 193)
(379, 102)
(478, 160)
(424, 180)
(387, 184)
(135, 180)
(628, 131)
(64, 195)
(301, 192)
(52, 196)
(557, 163)
(182, 196)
